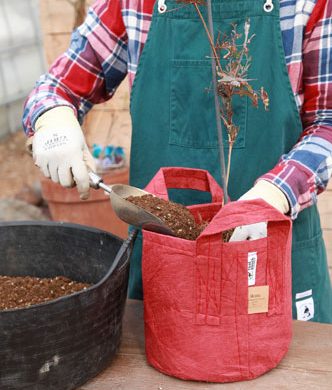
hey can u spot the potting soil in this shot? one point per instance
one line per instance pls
(24, 291)
(176, 216)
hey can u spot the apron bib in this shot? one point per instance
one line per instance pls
(173, 118)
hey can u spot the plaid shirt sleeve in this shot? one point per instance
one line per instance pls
(90, 70)
(304, 172)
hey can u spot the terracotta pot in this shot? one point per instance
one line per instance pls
(65, 204)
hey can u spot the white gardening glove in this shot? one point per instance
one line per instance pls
(60, 151)
(272, 195)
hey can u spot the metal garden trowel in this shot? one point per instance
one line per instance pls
(127, 211)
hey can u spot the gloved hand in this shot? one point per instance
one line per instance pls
(60, 151)
(272, 195)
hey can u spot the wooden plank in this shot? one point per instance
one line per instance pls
(109, 126)
(326, 220)
(325, 202)
(325, 210)
(307, 365)
(327, 234)
(120, 100)
(55, 45)
(58, 16)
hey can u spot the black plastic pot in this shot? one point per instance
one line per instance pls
(62, 343)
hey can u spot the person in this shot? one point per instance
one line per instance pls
(283, 156)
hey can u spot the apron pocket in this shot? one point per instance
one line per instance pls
(306, 268)
(305, 263)
(192, 112)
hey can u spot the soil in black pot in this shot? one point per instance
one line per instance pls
(23, 291)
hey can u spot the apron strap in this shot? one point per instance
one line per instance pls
(184, 178)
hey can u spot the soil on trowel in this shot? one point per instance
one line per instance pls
(175, 216)
(24, 291)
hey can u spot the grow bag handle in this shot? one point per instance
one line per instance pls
(243, 212)
(184, 178)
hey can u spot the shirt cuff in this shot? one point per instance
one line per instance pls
(296, 182)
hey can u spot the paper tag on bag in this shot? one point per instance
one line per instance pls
(305, 309)
(258, 299)
(252, 263)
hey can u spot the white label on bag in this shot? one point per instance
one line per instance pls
(305, 309)
(252, 263)
(303, 294)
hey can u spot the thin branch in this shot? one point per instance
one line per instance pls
(230, 143)
(209, 38)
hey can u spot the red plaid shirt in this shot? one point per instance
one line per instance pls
(108, 46)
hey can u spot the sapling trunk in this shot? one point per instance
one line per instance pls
(228, 81)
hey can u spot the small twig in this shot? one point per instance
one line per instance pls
(244, 45)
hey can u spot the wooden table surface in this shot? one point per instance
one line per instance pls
(307, 365)
(325, 211)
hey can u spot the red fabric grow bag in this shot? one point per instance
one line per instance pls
(196, 317)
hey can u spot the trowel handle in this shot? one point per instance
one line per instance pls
(97, 182)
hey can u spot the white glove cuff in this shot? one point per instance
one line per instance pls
(270, 193)
(56, 117)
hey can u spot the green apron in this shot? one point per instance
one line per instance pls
(174, 124)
